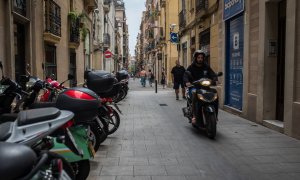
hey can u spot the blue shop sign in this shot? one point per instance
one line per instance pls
(234, 62)
(232, 8)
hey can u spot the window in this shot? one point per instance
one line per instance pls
(51, 67)
(73, 82)
(204, 39)
(20, 7)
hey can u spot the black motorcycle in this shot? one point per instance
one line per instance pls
(206, 106)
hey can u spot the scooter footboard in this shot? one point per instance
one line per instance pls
(80, 136)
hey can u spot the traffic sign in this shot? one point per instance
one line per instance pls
(174, 37)
(107, 54)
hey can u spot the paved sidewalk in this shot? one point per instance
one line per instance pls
(156, 142)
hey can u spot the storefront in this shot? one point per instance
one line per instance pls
(234, 45)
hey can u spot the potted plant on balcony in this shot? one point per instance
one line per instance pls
(73, 15)
(84, 31)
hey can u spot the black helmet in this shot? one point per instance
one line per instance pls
(196, 53)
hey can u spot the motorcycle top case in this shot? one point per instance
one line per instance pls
(99, 81)
(120, 75)
(83, 102)
(113, 92)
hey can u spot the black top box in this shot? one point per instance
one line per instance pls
(120, 75)
(99, 81)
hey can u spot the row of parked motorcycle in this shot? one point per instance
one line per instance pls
(48, 131)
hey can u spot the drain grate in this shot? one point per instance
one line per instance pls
(163, 104)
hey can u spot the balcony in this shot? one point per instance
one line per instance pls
(52, 22)
(106, 40)
(163, 3)
(20, 7)
(74, 39)
(182, 19)
(201, 5)
(90, 5)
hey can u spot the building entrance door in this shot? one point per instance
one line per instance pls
(19, 49)
(281, 60)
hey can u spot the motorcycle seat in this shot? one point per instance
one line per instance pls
(5, 131)
(8, 117)
(38, 105)
(17, 160)
(37, 115)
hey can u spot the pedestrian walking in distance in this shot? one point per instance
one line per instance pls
(177, 78)
(163, 79)
(143, 77)
(150, 77)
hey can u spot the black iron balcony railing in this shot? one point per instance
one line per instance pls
(201, 5)
(52, 18)
(182, 19)
(74, 31)
(20, 7)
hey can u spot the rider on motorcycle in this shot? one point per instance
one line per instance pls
(197, 70)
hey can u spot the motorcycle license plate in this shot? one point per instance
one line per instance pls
(92, 150)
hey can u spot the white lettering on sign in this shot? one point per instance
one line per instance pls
(231, 3)
(236, 40)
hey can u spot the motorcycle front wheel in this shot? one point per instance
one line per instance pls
(211, 126)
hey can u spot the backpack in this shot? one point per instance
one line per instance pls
(152, 76)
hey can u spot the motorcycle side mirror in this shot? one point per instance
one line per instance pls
(220, 74)
(70, 77)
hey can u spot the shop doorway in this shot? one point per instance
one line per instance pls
(19, 49)
(281, 60)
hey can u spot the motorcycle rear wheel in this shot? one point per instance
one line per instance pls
(114, 122)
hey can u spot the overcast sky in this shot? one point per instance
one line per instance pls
(134, 9)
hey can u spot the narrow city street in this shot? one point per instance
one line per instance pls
(155, 142)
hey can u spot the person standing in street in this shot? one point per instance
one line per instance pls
(177, 78)
(163, 79)
(143, 77)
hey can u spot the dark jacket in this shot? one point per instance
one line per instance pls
(194, 73)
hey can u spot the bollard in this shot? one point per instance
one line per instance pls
(155, 86)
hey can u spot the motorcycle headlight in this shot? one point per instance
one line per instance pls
(31, 82)
(205, 83)
(208, 97)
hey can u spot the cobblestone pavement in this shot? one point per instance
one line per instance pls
(156, 142)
